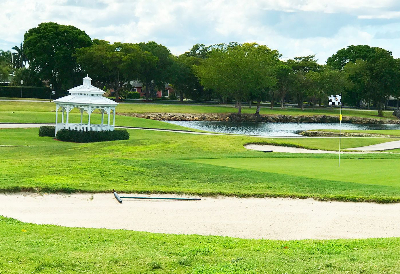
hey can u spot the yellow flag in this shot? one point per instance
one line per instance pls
(340, 117)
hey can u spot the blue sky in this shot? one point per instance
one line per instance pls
(293, 27)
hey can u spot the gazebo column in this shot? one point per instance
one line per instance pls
(102, 116)
(56, 129)
(81, 109)
(69, 108)
(114, 117)
(62, 118)
(90, 113)
(109, 117)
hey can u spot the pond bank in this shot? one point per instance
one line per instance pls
(233, 117)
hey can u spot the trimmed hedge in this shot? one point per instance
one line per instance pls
(91, 136)
(27, 92)
(47, 131)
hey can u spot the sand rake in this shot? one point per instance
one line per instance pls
(119, 198)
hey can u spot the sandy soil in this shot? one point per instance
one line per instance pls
(370, 149)
(268, 218)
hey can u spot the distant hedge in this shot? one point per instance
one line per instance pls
(133, 95)
(27, 92)
(47, 131)
(91, 136)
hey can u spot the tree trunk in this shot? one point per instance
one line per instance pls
(397, 103)
(181, 96)
(258, 107)
(282, 102)
(380, 111)
(250, 102)
(146, 92)
(239, 106)
(300, 102)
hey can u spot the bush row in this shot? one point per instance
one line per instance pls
(91, 136)
(47, 131)
(26, 92)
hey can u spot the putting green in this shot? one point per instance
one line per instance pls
(361, 171)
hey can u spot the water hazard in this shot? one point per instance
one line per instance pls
(274, 129)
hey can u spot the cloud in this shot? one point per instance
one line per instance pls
(294, 27)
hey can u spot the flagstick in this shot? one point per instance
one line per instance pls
(340, 129)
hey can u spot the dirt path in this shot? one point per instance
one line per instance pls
(268, 218)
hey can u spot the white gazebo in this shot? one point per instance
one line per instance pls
(86, 98)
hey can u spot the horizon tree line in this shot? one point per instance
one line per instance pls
(60, 56)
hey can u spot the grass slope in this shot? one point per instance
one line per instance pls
(29, 248)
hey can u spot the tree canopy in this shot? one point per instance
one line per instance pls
(50, 49)
(242, 71)
(373, 71)
(5, 65)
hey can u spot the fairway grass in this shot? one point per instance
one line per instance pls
(167, 162)
(30, 248)
(382, 172)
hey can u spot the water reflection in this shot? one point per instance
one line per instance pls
(274, 129)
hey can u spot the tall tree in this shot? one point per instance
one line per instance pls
(239, 71)
(5, 65)
(284, 83)
(155, 72)
(350, 54)
(184, 80)
(112, 65)
(19, 58)
(301, 84)
(373, 71)
(50, 49)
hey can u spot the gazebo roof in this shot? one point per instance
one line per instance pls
(86, 94)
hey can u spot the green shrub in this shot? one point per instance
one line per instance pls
(133, 95)
(172, 96)
(26, 92)
(91, 136)
(47, 131)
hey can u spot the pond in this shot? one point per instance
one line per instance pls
(274, 129)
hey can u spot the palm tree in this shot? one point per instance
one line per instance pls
(20, 59)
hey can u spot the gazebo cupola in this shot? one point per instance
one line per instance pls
(86, 98)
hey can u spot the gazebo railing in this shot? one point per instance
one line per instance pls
(84, 127)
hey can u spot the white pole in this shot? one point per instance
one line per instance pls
(56, 118)
(114, 117)
(89, 112)
(340, 130)
(109, 117)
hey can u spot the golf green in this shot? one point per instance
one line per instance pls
(362, 171)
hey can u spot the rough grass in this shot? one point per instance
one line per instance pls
(29, 248)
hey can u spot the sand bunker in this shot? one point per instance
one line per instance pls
(256, 218)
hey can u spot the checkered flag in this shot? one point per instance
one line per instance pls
(335, 100)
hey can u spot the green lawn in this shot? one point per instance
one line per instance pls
(358, 171)
(166, 162)
(7, 107)
(29, 248)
